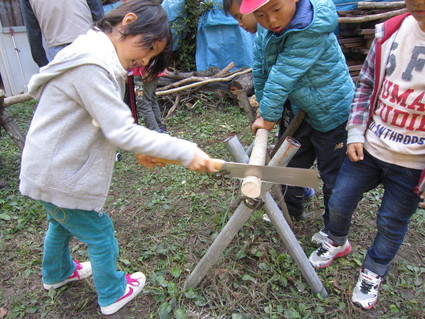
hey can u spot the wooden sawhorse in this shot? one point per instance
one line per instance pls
(245, 209)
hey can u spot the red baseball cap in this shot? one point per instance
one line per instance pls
(249, 6)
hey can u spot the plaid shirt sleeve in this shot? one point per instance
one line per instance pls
(360, 107)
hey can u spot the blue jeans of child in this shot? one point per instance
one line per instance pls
(398, 204)
(328, 148)
(97, 231)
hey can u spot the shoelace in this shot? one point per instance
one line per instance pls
(367, 283)
(131, 281)
(78, 267)
(365, 287)
(323, 250)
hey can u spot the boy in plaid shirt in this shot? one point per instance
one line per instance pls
(386, 135)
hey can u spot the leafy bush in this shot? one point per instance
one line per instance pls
(187, 26)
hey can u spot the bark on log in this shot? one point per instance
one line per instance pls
(381, 5)
(226, 70)
(221, 86)
(17, 99)
(243, 82)
(183, 75)
(9, 124)
(191, 79)
(245, 105)
(201, 81)
(371, 17)
(212, 71)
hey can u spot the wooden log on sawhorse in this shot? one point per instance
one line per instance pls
(290, 130)
(241, 215)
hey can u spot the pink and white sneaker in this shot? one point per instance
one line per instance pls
(325, 255)
(365, 292)
(135, 284)
(82, 271)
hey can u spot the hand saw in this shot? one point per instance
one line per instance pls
(271, 174)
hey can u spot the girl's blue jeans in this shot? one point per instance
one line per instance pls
(398, 204)
(97, 231)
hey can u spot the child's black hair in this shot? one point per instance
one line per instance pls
(228, 3)
(151, 24)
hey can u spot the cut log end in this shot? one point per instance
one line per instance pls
(251, 187)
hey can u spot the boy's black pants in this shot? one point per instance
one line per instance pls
(329, 149)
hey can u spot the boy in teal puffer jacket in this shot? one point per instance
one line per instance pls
(297, 58)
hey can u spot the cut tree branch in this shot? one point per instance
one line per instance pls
(381, 5)
(202, 81)
(17, 99)
(226, 70)
(198, 78)
(371, 17)
(172, 109)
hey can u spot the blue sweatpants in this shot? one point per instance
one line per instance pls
(97, 231)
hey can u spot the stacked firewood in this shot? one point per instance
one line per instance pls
(356, 29)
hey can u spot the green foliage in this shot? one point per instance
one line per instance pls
(187, 27)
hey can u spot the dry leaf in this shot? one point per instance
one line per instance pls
(3, 313)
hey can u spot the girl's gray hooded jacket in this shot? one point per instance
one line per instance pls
(70, 149)
(306, 65)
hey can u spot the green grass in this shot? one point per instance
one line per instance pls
(165, 220)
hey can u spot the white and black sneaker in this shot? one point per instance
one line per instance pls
(324, 256)
(365, 293)
(319, 237)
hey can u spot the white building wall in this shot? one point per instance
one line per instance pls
(16, 63)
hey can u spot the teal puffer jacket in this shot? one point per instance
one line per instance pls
(304, 64)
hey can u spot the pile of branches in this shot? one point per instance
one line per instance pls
(178, 84)
(183, 81)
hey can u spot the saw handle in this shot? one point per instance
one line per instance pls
(218, 163)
